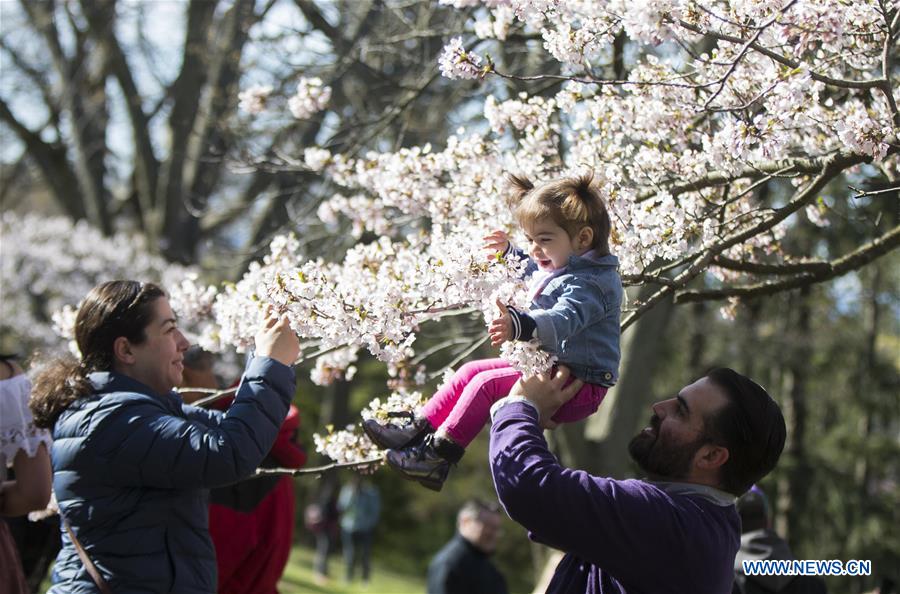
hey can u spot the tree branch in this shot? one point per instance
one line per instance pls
(52, 162)
(101, 16)
(89, 166)
(852, 261)
(38, 78)
(832, 167)
(317, 470)
(185, 92)
(761, 268)
(775, 168)
(837, 82)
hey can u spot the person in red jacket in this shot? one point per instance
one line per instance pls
(251, 522)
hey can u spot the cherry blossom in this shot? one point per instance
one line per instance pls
(312, 97)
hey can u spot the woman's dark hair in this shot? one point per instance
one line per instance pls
(571, 202)
(110, 310)
(750, 425)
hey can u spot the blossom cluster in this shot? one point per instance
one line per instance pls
(456, 62)
(346, 445)
(351, 444)
(253, 100)
(51, 262)
(312, 97)
(401, 401)
(334, 366)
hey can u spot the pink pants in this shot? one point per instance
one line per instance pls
(461, 407)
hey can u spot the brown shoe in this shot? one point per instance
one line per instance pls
(394, 437)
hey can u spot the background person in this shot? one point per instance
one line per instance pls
(760, 542)
(24, 448)
(321, 519)
(132, 463)
(463, 565)
(359, 505)
(252, 521)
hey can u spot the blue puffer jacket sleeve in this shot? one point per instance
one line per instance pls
(207, 416)
(198, 450)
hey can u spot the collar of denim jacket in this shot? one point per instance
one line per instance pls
(590, 259)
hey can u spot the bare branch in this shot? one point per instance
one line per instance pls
(651, 279)
(216, 395)
(318, 470)
(776, 168)
(38, 78)
(89, 164)
(762, 268)
(852, 261)
(52, 162)
(860, 193)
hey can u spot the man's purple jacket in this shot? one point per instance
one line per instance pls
(628, 536)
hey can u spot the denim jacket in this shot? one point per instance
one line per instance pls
(577, 316)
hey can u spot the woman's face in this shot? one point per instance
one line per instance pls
(158, 360)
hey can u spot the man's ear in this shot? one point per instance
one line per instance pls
(585, 238)
(122, 351)
(711, 456)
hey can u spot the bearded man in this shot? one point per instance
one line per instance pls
(677, 531)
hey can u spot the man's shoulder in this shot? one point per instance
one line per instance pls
(452, 551)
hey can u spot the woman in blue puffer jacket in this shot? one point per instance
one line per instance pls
(131, 462)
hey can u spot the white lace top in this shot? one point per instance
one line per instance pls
(17, 430)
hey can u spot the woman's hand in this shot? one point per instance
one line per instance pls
(501, 328)
(496, 242)
(277, 340)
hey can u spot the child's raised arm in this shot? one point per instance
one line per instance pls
(501, 328)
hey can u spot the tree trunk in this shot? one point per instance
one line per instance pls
(798, 375)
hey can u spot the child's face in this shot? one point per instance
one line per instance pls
(549, 245)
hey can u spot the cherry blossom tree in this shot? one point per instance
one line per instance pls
(714, 129)
(50, 263)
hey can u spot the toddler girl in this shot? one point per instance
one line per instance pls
(576, 297)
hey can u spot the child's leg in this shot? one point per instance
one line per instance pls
(442, 402)
(582, 405)
(472, 410)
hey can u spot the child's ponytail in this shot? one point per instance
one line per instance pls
(519, 187)
(583, 187)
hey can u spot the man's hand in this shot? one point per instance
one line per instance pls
(277, 340)
(496, 242)
(501, 328)
(547, 393)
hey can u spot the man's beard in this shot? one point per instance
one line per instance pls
(661, 458)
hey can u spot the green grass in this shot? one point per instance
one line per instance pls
(298, 577)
